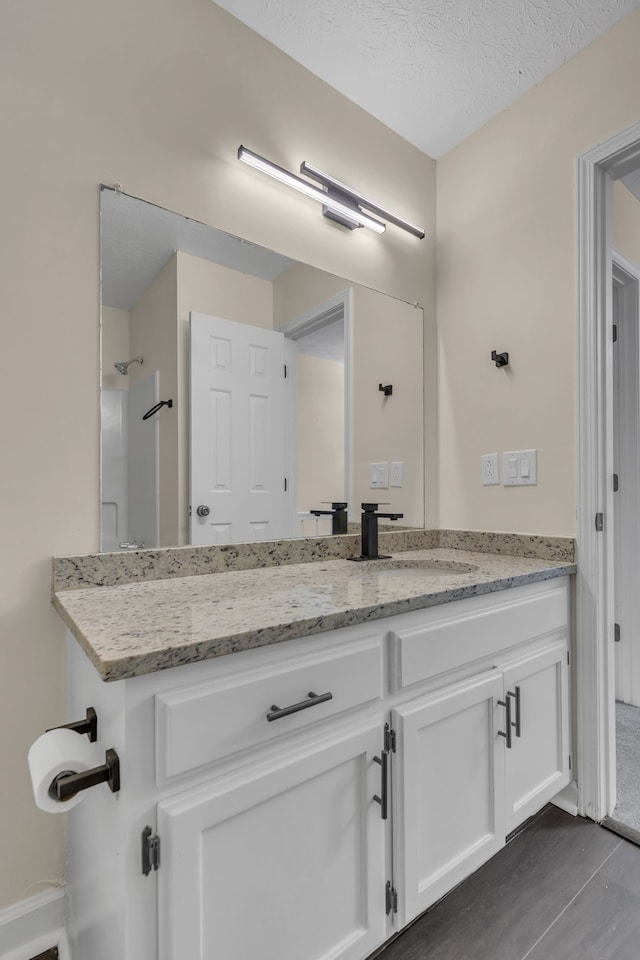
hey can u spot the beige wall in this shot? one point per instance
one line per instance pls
(191, 84)
(507, 281)
(626, 223)
(387, 346)
(300, 288)
(115, 346)
(320, 454)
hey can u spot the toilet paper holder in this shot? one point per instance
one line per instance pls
(89, 725)
(66, 785)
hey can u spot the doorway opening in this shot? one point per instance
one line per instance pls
(625, 302)
(319, 382)
(597, 601)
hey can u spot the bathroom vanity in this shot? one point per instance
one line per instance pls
(311, 755)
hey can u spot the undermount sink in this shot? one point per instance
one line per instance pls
(420, 568)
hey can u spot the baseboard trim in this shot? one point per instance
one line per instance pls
(32, 926)
(567, 799)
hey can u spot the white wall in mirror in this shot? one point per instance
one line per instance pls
(159, 267)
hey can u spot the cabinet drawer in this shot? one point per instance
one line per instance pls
(201, 723)
(467, 631)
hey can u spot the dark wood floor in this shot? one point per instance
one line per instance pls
(564, 889)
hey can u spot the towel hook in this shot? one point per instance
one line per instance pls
(158, 406)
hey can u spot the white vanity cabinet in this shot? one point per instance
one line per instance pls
(317, 833)
(476, 759)
(284, 861)
(448, 805)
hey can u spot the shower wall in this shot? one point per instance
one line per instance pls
(114, 467)
(130, 498)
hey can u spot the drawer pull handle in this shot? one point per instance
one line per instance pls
(501, 733)
(314, 698)
(516, 697)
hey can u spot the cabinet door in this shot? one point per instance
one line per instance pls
(537, 765)
(285, 862)
(448, 789)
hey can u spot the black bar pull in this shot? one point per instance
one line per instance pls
(66, 786)
(507, 735)
(89, 725)
(314, 698)
(516, 697)
(158, 406)
(383, 760)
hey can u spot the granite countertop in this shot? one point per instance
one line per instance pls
(143, 627)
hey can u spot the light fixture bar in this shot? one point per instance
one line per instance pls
(309, 190)
(328, 181)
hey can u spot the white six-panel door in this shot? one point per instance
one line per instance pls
(237, 432)
(285, 862)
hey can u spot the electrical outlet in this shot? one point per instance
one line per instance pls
(490, 469)
(395, 477)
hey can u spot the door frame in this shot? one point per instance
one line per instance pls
(341, 304)
(626, 384)
(596, 169)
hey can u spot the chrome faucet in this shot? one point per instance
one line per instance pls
(370, 517)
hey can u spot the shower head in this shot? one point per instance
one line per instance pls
(123, 367)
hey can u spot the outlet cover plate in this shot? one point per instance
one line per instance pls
(490, 469)
(395, 476)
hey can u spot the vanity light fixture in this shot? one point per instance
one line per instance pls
(339, 202)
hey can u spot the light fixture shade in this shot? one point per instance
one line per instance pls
(331, 182)
(339, 202)
(342, 209)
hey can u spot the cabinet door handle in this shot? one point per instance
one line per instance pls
(516, 697)
(384, 784)
(314, 698)
(507, 735)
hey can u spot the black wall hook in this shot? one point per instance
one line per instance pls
(158, 406)
(500, 359)
(387, 390)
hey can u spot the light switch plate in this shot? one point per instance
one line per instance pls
(520, 468)
(490, 469)
(378, 476)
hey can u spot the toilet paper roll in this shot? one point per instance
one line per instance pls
(54, 753)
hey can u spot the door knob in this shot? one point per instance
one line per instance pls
(203, 510)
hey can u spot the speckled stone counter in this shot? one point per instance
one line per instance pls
(112, 569)
(137, 628)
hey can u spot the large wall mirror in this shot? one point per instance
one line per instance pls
(241, 389)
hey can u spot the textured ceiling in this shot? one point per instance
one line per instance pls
(432, 70)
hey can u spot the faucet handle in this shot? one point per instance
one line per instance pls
(336, 504)
(372, 507)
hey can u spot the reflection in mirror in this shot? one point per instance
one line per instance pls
(240, 388)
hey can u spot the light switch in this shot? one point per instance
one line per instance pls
(520, 468)
(378, 476)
